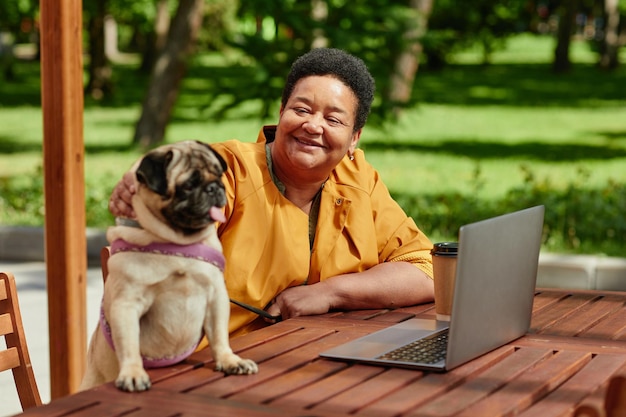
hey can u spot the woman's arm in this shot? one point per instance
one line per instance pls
(364, 290)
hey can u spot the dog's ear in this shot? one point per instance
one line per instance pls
(217, 155)
(219, 158)
(152, 171)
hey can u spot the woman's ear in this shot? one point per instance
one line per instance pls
(356, 137)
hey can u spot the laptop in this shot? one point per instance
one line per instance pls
(493, 299)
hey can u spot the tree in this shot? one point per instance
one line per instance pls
(156, 38)
(18, 24)
(168, 73)
(99, 84)
(377, 31)
(609, 47)
(408, 59)
(456, 24)
(566, 12)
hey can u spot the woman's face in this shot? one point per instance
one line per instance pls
(315, 128)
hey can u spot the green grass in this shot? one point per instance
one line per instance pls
(450, 143)
(477, 131)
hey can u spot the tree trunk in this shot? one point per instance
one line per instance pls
(567, 12)
(99, 84)
(168, 73)
(407, 62)
(609, 57)
(155, 40)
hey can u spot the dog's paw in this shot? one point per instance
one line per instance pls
(234, 365)
(133, 379)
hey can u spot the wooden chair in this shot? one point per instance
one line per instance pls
(105, 254)
(15, 356)
(614, 401)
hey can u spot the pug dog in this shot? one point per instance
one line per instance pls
(165, 285)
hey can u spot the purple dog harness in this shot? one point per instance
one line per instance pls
(194, 251)
(197, 251)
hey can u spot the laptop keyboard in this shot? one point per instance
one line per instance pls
(429, 350)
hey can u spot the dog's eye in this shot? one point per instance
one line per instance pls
(187, 187)
(190, 184)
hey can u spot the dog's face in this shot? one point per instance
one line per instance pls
(181, 185)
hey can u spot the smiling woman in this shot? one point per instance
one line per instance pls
(309, 225)
(315, 132)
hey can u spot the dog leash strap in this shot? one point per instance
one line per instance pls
(257, 311)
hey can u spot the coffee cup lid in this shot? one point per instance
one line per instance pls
(445, 248)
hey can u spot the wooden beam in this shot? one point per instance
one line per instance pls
(63, 148)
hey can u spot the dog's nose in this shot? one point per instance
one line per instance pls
(213, 188)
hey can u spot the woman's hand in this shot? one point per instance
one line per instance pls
(120, 204)
(386, 285)
(303, 300)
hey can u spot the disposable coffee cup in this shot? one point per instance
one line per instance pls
(444, 269)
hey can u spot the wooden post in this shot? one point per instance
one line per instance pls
(62, 104)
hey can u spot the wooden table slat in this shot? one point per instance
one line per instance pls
(581, 344)
(545, 298)
(289, 382)
(484, 384)
(588, 315)
(433, 385)
(104, 409)
(63, 406)
(318, 392)
(576, 344)
(562, 401)
(362, 314)
(612, 326)
(300, 353)
(204, 356)
(193, 379)
(259, 353)
(535, 383)
(548, 318)
(421, 309)
(175, 404)
(596, 398)
(394, 316)
(369, 391)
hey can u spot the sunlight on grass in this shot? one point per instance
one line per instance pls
(476, 130)
(438, 148)
(528, 49)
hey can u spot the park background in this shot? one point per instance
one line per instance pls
(482, 107)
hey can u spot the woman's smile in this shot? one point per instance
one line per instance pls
(308, 142)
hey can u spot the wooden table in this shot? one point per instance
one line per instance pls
(577, 341)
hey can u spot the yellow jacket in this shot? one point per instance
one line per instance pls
(266, 237)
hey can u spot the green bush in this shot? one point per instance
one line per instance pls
(577, 219)
(22, 201)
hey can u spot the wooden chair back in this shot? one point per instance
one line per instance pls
(615, 400)
(15, 356)
(105, 254)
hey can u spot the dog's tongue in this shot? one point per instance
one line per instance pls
(217, 214)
